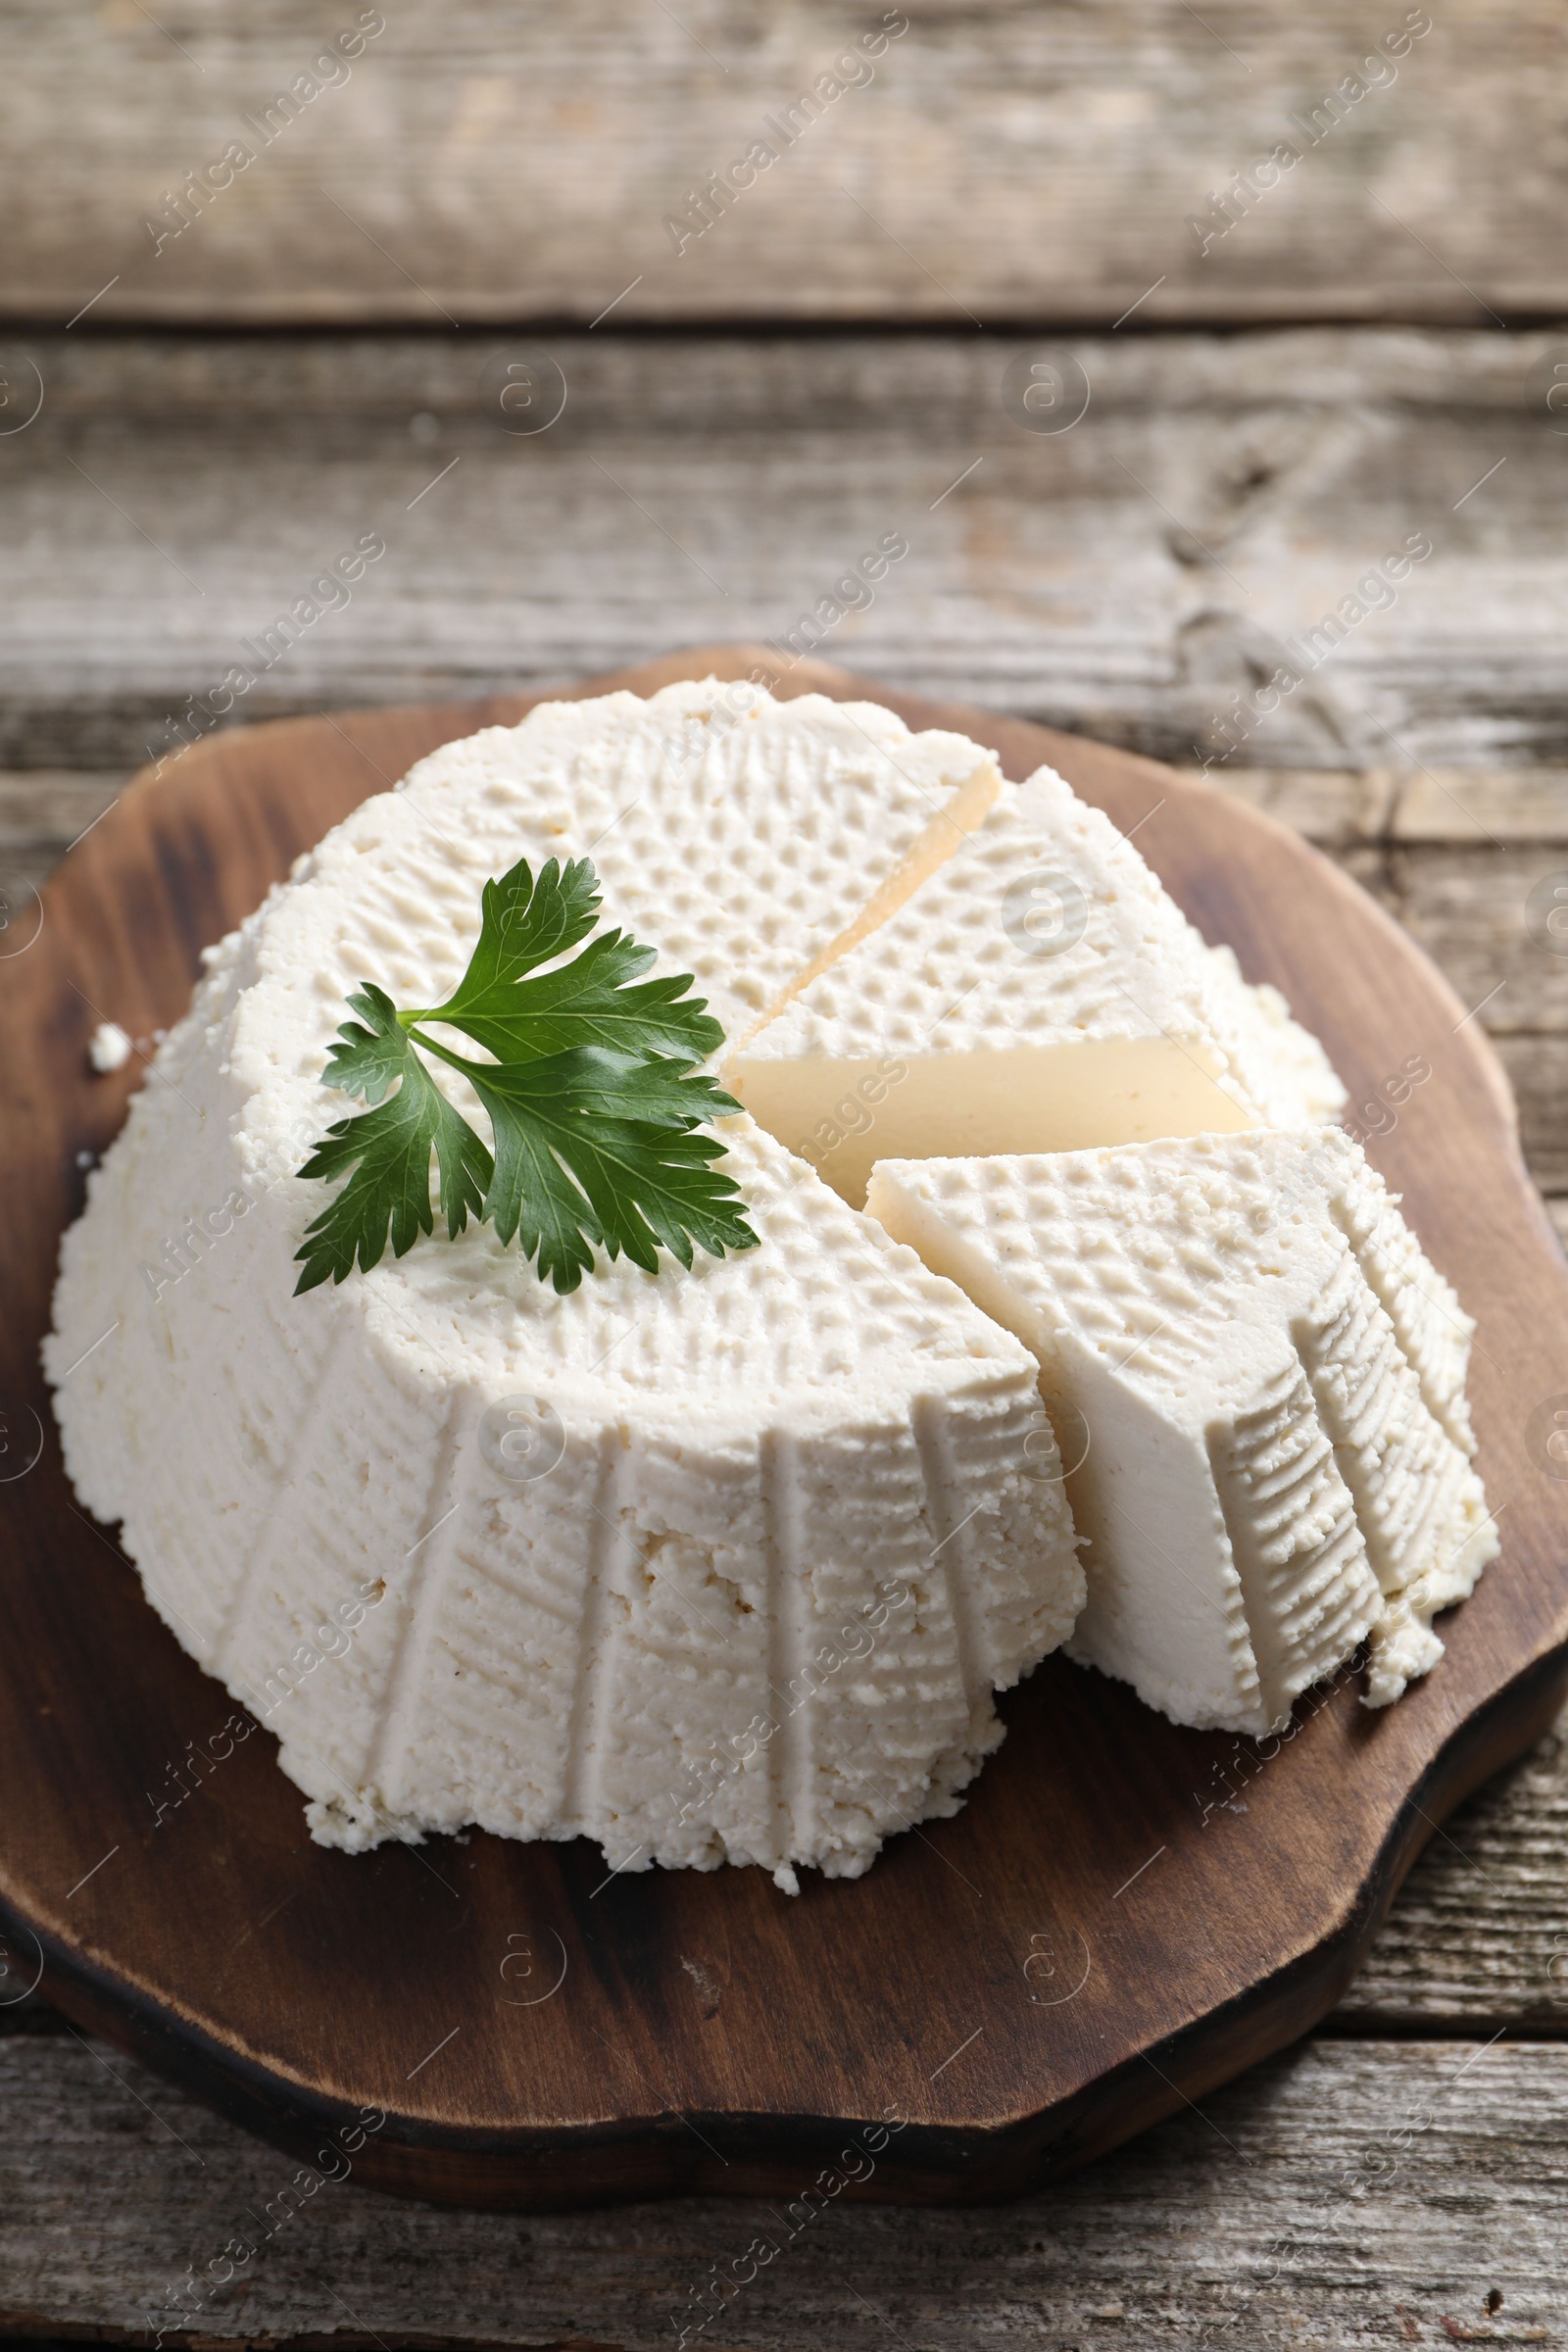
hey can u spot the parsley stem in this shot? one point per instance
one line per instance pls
(428, 1045)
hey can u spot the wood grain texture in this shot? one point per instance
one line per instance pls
(41, 815)
(1440, 808)
(1357, 2195)
(914, 1995)
(1479, 1937)
(1006, 162)
(1538, 1073)
(1130, 579)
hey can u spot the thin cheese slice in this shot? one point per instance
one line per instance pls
(1040, 992)
(1257, 1453)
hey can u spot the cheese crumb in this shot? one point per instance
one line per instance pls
(110, 1048)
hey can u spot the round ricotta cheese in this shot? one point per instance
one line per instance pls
(711, 1566)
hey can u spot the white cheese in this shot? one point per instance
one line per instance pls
(1260, 1461)
(109, 1047)
(750, 841)
(793, 1515)
(1040, 992)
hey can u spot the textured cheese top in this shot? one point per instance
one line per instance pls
(740, 836)
(604, 1537)
(1047, 929)
(1255, 1345)
(738, 850)
(1165, 1256)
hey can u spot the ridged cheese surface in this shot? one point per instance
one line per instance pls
(1042, 992)
(719, 1565)
(1264, 1375)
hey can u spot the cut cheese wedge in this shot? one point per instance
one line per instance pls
(1253, 1373)
(719, 1565)
(1041, 992)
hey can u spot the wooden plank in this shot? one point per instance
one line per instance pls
(983, 163)
(1351, 2193)
(1340, 808)
(1481, 913)
(1457, 805)
(1480, 808)
(1138, 577)
(1538, 1072)
(1479, 1937)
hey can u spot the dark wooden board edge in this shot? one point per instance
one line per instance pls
(649, 2156)
(762, 2155)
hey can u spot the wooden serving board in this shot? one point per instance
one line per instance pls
(1123, 1914)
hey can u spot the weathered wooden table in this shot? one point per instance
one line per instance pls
(843, 353)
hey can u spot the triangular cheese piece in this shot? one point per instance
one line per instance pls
(1253, 1450)
(1040, 992)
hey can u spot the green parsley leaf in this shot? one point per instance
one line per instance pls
(591, 1098)
(387, 1152)
(586, 1001)
(641, 1170)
